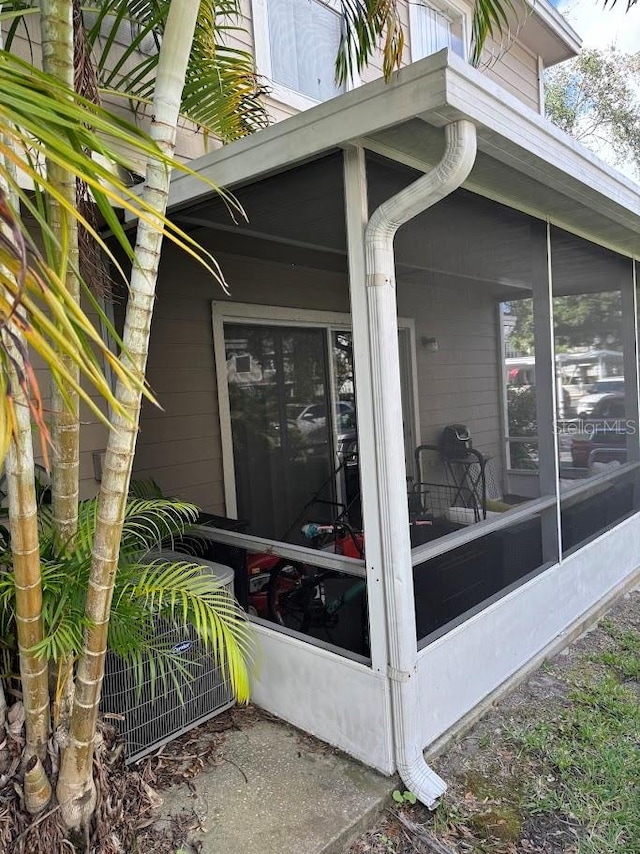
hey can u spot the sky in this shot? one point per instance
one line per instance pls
(600, 27)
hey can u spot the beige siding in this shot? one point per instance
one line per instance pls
(514, 68)
(458, 383)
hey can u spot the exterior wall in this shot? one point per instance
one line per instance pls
(510, 64)
(180, 446)
(458, 383)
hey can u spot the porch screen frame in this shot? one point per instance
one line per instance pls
(267, 315)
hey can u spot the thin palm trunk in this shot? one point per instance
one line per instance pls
(75, 785)
(56, 24)
(23, 525)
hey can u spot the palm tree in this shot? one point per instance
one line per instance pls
(75, 790)
(42, 114)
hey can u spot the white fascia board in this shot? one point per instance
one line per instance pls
(538, 148)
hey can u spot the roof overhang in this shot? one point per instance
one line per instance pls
(545, 31)
(523, 160)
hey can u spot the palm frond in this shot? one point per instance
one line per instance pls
(490, 18)
(181, 593)
(222, 93)
(146, 488)
(135, 636)
(41, 119)
(149, 592)
(64, 625)
(151, 521)
(365, 23)
(63, 586)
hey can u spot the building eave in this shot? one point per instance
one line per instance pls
(549, 33)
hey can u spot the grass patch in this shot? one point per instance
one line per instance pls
(589, 754)
(625, 658)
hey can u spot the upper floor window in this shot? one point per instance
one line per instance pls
(296, 47)
(434, 27)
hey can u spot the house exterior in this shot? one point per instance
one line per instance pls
(387, 226)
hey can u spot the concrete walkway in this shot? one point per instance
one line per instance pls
(278, 791)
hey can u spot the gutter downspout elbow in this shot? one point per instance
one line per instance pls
(443, 179)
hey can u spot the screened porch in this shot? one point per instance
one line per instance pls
(501, 502)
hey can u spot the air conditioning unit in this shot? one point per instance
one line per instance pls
(147, 717)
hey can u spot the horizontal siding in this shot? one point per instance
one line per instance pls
(458, 383)
(513, 67)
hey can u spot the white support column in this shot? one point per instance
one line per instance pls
(357, 215)
(548, 459)
(628, 287)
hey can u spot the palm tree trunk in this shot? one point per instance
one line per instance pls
(3, 707)
(75, 782)
(56, 25)
(23, 525)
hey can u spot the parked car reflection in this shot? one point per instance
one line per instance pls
(601, 437)
(597, 391)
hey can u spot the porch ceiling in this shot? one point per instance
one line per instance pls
(523, 161)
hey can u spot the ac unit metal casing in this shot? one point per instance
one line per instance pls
(151, 718)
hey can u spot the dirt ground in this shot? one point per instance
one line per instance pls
(501, 796)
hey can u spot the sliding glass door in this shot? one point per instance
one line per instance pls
(279, 386)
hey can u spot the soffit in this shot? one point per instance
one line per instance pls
(544, 31)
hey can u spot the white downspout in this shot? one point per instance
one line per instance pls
(451, 171)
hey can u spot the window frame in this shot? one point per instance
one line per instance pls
(451, 9)
(265, 315)
(262, 48)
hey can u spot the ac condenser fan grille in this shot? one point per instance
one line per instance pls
(150, 712)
